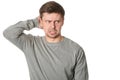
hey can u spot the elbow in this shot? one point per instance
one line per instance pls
(5, 33)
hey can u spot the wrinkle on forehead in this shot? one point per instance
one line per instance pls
(52, 16)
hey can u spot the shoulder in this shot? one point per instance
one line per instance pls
(77, 50)
(74, 45)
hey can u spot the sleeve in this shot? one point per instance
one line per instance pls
(16, 35)
(81, 70)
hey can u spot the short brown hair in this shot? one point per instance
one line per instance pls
(52, 7)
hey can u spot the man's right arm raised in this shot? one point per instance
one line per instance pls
(15, 33)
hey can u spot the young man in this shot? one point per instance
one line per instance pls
(53, 56)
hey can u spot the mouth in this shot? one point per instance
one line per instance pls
(52, 32)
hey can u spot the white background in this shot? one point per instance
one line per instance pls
(94, 24)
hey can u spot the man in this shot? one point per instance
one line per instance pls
(53, 56)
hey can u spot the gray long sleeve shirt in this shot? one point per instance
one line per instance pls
(64, 60)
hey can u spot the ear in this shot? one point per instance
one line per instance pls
(40, 22)
(63, 22)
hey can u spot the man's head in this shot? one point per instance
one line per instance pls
(52, 7)
(52, 19)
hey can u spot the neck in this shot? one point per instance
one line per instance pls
(54, 40)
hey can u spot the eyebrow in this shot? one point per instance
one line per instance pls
(51, 20)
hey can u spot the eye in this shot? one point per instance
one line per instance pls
(48, 21)
(57, 21)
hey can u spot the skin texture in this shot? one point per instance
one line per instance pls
(52, 23)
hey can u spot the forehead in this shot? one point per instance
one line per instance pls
(52, 16)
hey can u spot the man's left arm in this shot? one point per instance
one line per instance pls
(81, 70)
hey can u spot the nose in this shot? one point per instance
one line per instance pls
(53, 25)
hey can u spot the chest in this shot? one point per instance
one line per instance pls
(56, 60)
(55, 56)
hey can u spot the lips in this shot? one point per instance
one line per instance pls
(52, 32)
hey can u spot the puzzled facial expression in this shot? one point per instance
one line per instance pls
(51, 24)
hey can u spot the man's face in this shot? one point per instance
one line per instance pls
(51, 24)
